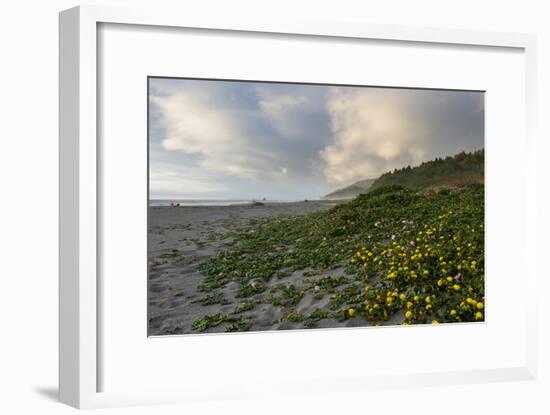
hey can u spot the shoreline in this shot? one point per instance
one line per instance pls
(232, 203)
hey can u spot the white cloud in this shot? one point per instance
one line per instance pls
(199, 124)
(376, 130)
(284, 112)
(277, 106)
(192, 127)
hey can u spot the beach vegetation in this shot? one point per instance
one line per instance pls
(417, 254)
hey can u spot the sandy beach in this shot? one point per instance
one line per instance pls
(180, 238)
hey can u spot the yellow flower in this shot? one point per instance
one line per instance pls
(456, 287)
(449, 279)
(389, 300)
(429, 307)
(435, 322)
(428, 299)
(453, 312)
(409, 304)
(416, 298)
(351, 312)
(408, 314)
(439, 282)
(402, 296)
(479, 305)
(479, 315)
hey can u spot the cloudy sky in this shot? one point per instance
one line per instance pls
(249, 140)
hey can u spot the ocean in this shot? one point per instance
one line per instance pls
(209, 202)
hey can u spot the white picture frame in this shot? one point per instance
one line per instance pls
(79, 361)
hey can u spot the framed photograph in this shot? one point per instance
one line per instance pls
(251, 208)
(281, 206)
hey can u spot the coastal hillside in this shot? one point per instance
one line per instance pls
(459, 170)
(351, 191)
